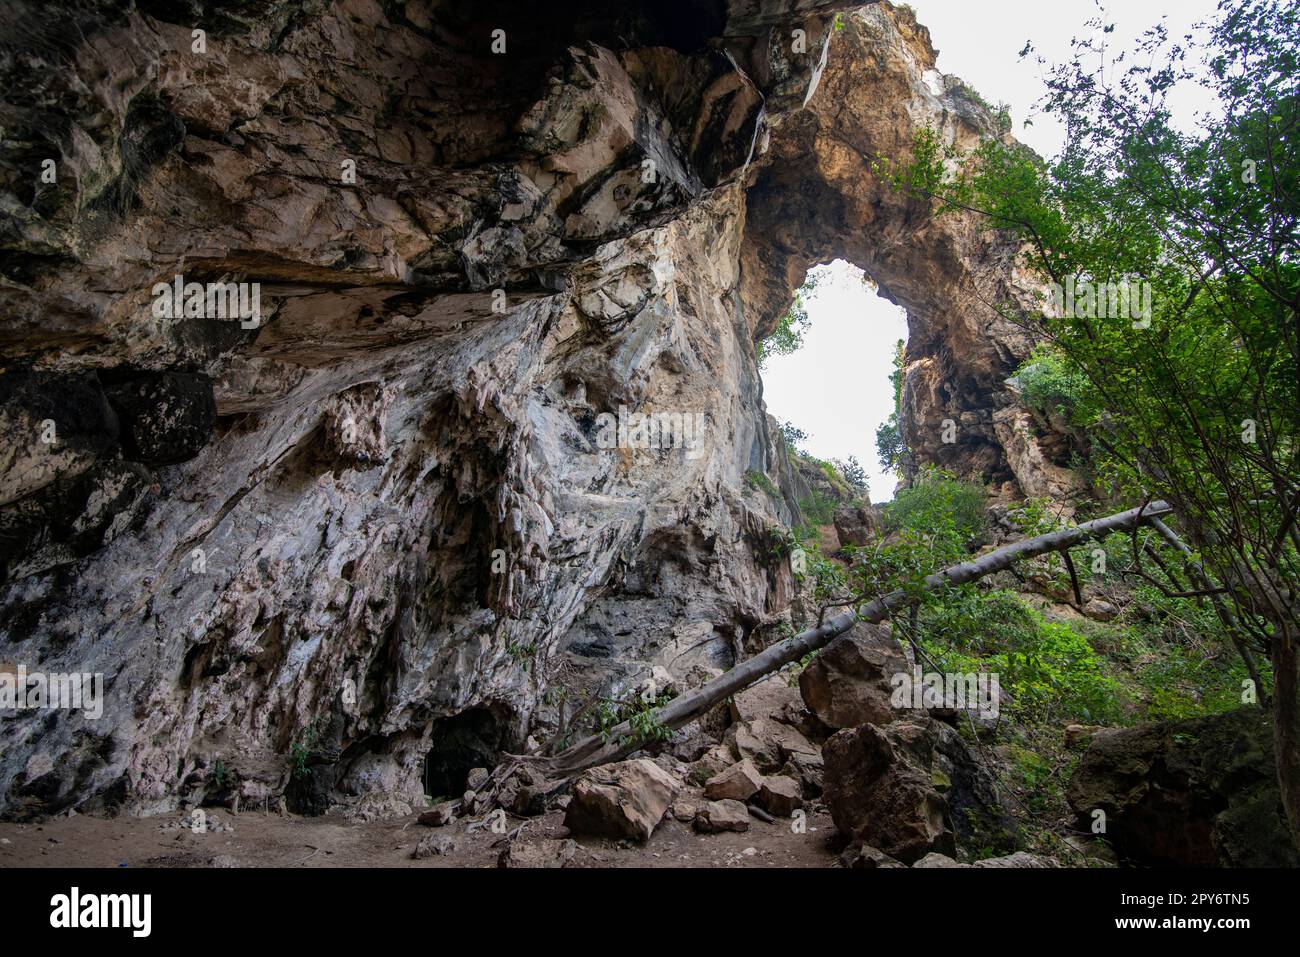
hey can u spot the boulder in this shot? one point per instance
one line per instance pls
(773, 697)
(779, 796)
(1078, 735)
(912, 787)
(546, 854)
(849, 682)
(1099, 609)
(808, 770)
(767, 743)
(712, 763)
(690, 743)
(684, 811)
(1195, 793)
(435, 845)
(439, 815)
(739, 782)
(745, 745)
(855, 525)
(718, 816)
(863, 857)
(525, 792)
(624, 800)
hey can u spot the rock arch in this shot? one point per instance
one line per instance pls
(323, 554)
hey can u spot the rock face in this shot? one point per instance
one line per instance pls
(624, 800)
(345, 543)
(910, 788)
(880, 86)
(1195, 793)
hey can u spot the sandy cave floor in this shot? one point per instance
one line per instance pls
(260, 839)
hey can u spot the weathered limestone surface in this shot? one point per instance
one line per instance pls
(381, 522)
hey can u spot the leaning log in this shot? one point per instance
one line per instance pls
(621, 740)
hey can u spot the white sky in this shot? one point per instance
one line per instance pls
(836, 388)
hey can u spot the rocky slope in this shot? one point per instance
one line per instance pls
(377, 533)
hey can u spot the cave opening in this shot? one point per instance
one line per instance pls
(828, 370)
(457, 745)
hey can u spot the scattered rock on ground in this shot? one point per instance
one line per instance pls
(859, 856)
(808, 770)
(439, 815)
(739, 782)
(684, 811)
(712, 763)
(545, 854)
(435, 845)
(623, 800)
(779, 796)
(725, 815)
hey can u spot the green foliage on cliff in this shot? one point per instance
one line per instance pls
(1173, 257)
(1049, 670)
(759, 480)
(1051, 385)
(938, 502)
(787, 336)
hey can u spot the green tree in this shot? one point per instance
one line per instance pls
(890, 448)
(1193, 394)
(788, 334)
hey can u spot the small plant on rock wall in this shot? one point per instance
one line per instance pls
(778, 542)
(759, 480)
(522, 653)
(300, 752)
(818, 508)
(827, 577)
(793, 437)
(853, 472)
(219, 775)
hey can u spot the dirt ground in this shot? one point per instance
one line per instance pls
(258, 839)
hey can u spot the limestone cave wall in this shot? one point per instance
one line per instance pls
(378, 521)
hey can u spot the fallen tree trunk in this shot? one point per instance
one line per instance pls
(621, 740)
